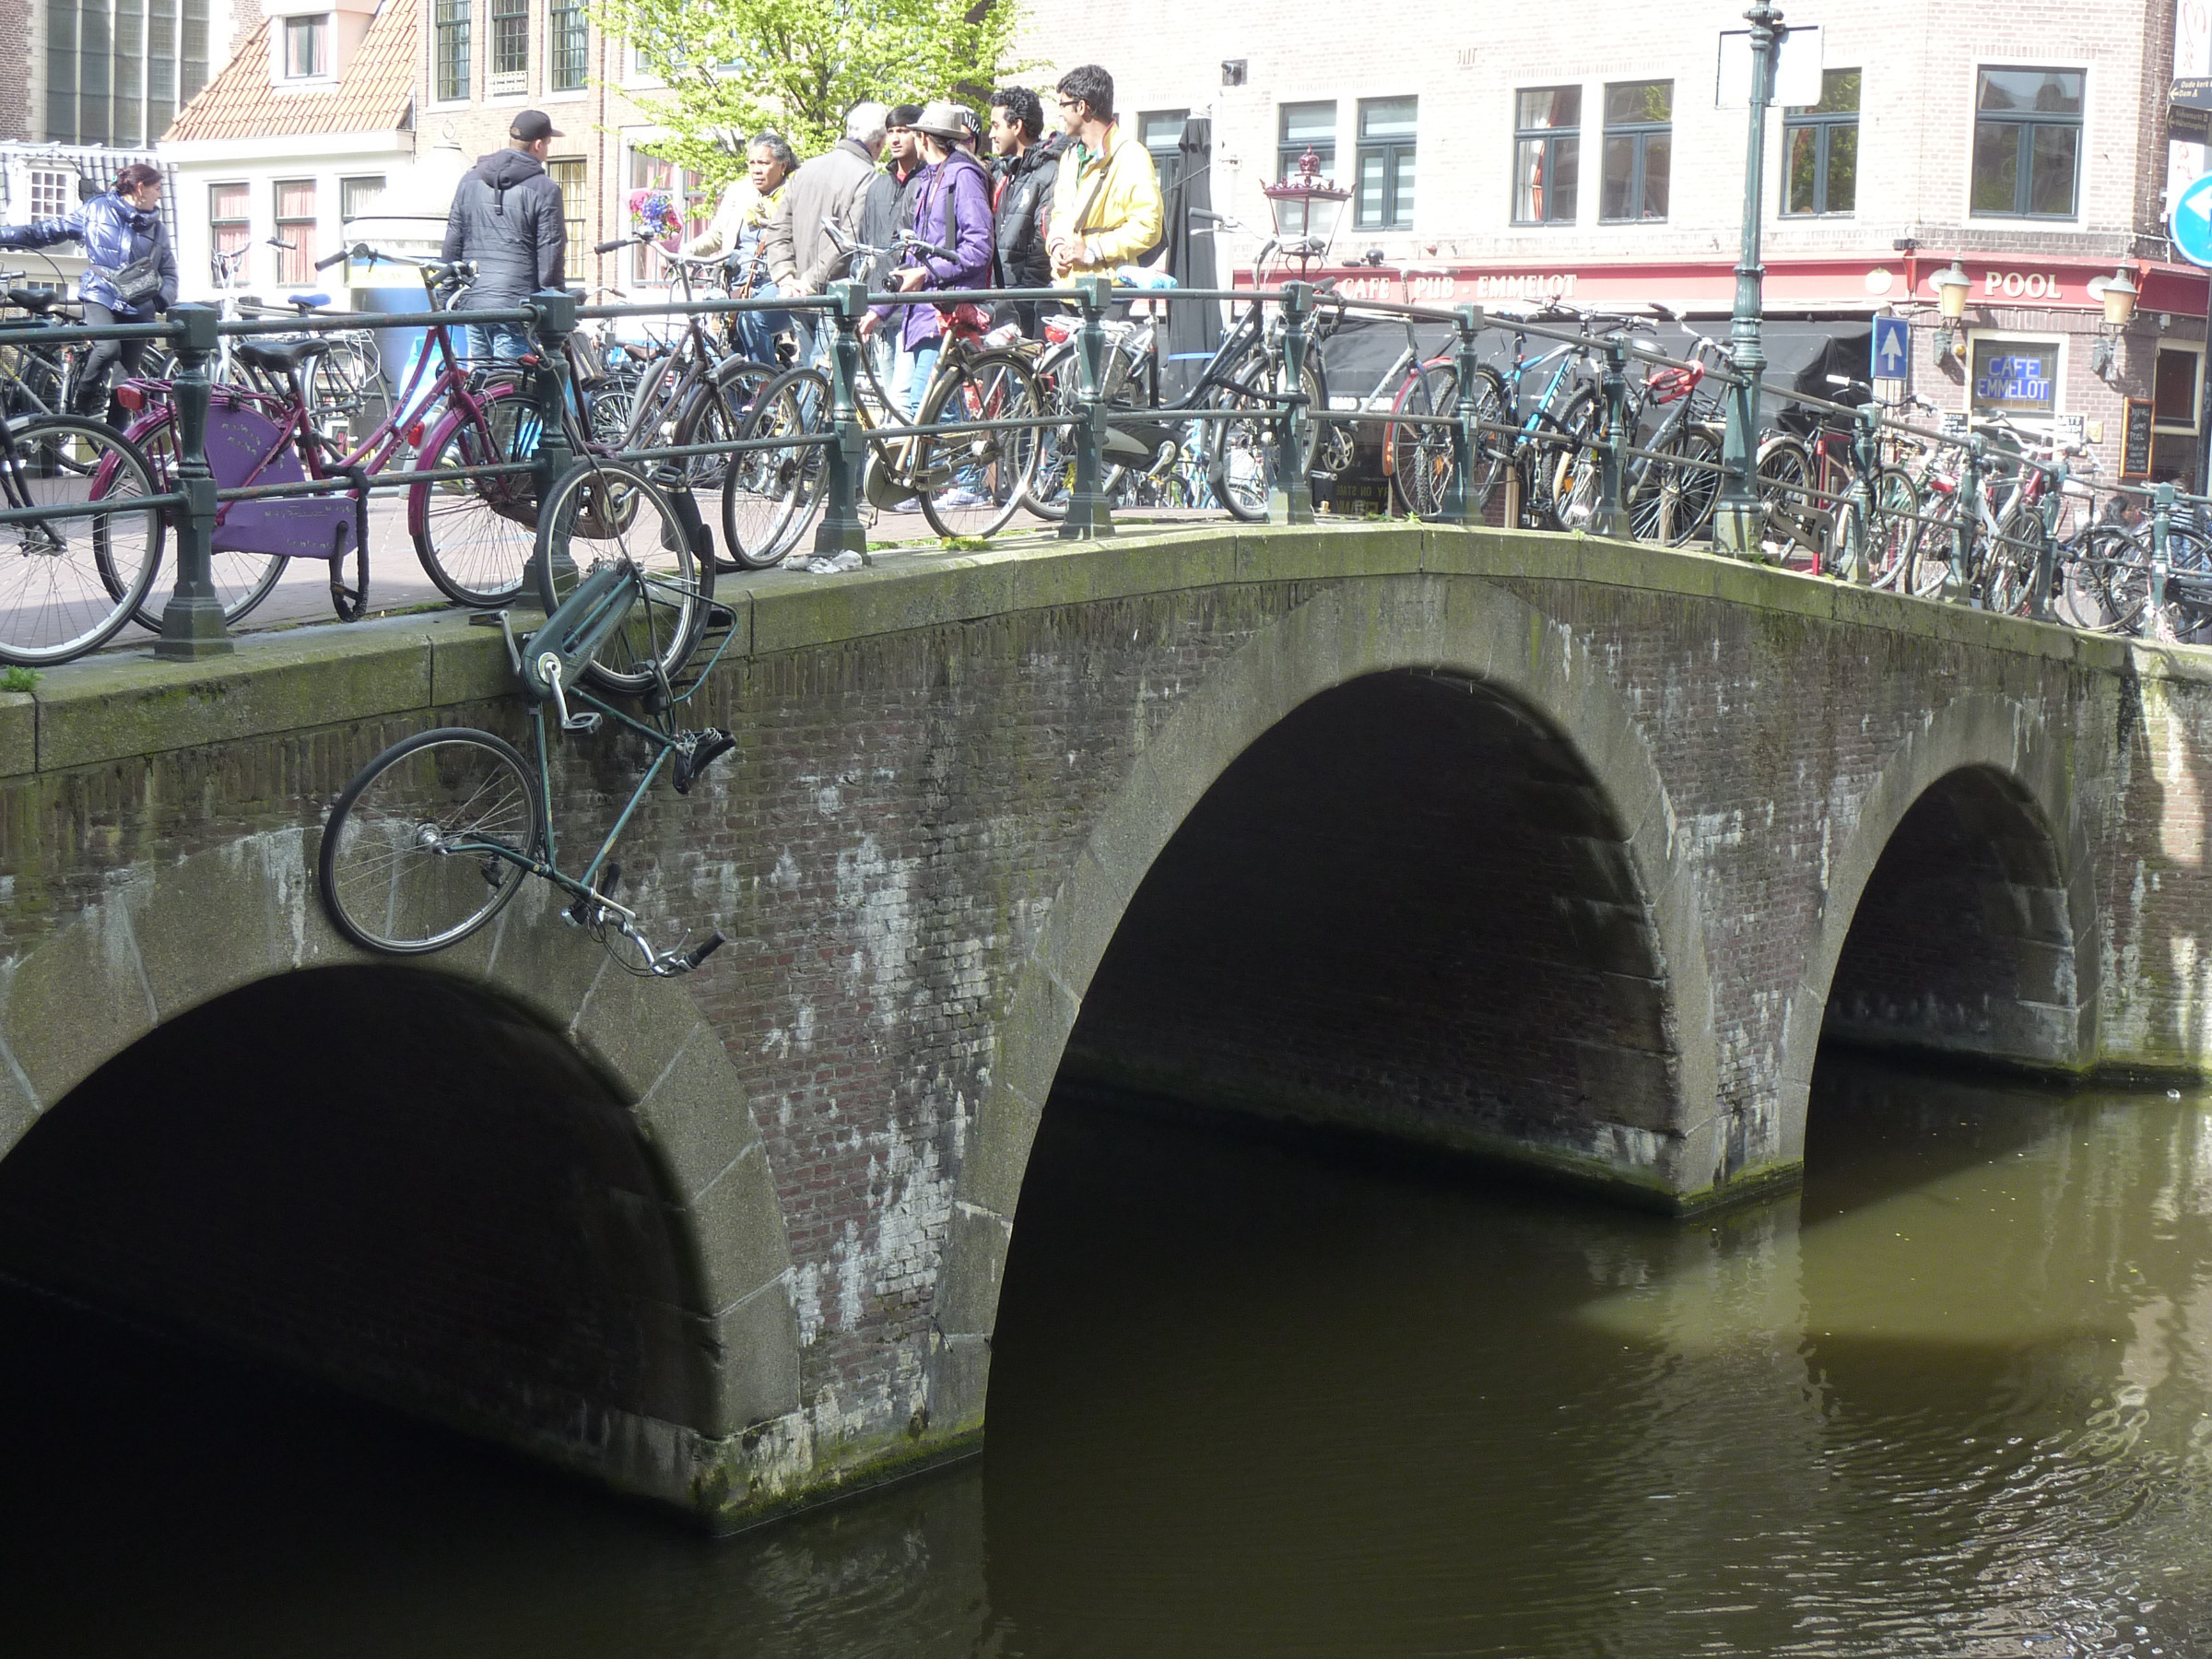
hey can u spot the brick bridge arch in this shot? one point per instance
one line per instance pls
(1959, 912)
(679, 1156)
(1635, 899)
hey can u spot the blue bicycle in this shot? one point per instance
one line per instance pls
(1545, 433)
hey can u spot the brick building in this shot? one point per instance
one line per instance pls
(1525, 152)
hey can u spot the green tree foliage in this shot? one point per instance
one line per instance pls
(735, 66)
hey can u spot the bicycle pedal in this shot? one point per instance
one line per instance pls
(585, 723)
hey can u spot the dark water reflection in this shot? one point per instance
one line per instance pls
(1956, 1399)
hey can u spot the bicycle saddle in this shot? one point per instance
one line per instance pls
(281, 357)
(31, 299)
(307, 302)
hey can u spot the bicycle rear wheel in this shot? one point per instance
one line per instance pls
(2104, 584)
(716, 412)
(769, 494)
(974, 483)
(1421, 461)
(607, 510)
(414, 855)
(67, 584)
(241, 581)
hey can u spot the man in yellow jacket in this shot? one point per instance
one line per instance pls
(1106, 207)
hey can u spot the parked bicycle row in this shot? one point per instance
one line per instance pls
(1575, 420)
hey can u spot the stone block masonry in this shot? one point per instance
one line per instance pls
(1508, 844)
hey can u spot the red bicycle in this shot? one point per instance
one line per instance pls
(474, 536)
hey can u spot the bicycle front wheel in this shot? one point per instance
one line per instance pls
(67, 584)
(606, 509)
(1421, 459)
(474, 536)
(974, 483)
(241, 581)
(420, 850)
(769, 494)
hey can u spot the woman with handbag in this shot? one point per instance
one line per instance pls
(131, 275)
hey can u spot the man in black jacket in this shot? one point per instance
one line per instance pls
(506, 216)
(1024, 171)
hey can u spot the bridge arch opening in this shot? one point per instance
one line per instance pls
(1962, 941)
(1409, 909)
(394, 1180)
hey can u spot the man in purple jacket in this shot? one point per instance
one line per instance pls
(952, 209)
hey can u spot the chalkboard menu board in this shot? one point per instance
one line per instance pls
(2134, 440)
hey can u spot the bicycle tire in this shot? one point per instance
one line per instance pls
(768, 495)
(1573, 477)
(971, 484)
(474, 536)
(1894, 528)
(2007, 574)
(1782, 475)
(399, 869)
(1421, 458)
(1242, 463)
(241, 581)
(1053, 476)
(716, 412)
(2111, 571)
(1674, 502)
(70, 584)
(611, 510)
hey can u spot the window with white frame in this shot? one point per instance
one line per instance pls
(509, 71)
(450, 49)
(306, 47)
(53, 192)
(296, 226)
(229, 231)
(568, 46)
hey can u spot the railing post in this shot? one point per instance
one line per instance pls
(2046, 543)
(1458, 506)
(1611, 518)
(1963, 518)
(1088, 513)
(1290, 498)
(556, 320)
(2161, 530)
(192, 622)
(1858, 523)
(840, 530)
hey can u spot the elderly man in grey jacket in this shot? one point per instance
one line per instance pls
(836, 187)
(506, 216)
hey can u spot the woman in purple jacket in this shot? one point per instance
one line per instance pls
(952, 209)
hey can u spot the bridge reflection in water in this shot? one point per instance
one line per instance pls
(1952, 1399)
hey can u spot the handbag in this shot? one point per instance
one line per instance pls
(136, 283)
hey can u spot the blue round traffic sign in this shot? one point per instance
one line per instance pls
(2191, 221)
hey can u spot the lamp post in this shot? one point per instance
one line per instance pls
(1951, 289)
(2118, 294)
(1737, 520)
(1306, 208)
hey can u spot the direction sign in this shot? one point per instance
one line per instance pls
(2189, 109)
(1892, 348)
(2192, 222)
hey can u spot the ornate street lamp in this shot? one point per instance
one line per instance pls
(1737, 520)
(1951, 289)
(1306, 208)
(2118, 293)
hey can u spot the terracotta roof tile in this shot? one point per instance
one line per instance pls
(373, 95)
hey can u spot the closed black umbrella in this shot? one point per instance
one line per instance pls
(1187, 254)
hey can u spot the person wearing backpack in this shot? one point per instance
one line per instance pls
(130, 274)
(952, 210)
(506, 217)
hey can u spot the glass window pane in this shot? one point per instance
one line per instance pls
(1530, 182)
(1996, 166)
(1658, 151)
(2051, 184)
(1403, 205)
(1619, 168)
(2174, 391)
(1550, 106)
(1371, 188)
(1313, 123)
(1842, 169)
(1388, 117)
(1566, 176)
(2047, 91)
(227, 201)
(1839, 95)
(1162, 129)
(1802, 170)
(1630, 101)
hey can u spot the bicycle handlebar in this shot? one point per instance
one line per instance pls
(340, 257)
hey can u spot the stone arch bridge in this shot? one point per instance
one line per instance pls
(1529, 847)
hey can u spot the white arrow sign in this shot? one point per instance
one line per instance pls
(1891, 355)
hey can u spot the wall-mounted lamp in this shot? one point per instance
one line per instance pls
(1951, 289)
(2118, 294)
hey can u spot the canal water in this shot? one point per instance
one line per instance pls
(1953, 1398)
